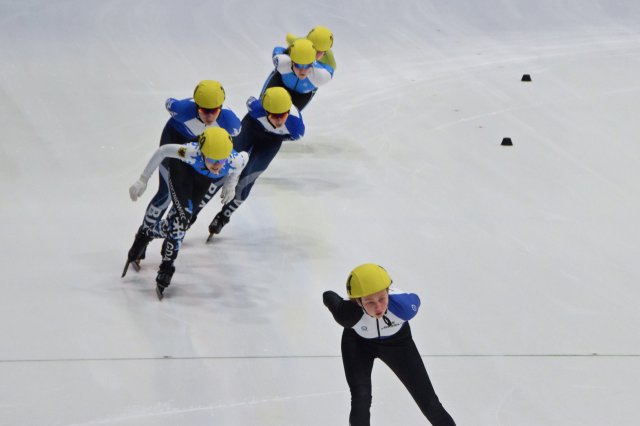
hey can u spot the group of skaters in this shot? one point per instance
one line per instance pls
(205, 149)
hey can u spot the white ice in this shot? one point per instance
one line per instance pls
(526, 257)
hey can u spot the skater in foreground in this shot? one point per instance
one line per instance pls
(375, 320)
(199, 171)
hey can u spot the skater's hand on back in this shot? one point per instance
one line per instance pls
(138, 188)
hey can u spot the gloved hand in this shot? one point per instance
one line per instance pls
(228, 191)
(188, 153)
(250, 100)
(138, 188)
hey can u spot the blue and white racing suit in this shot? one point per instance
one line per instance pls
(262, 141)
(301, 91)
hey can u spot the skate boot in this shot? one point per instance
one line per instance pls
(217, 224)
(163, 279)
(137, 251)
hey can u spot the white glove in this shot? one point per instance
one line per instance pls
(228, 191)
(138, 188)
(188, 153)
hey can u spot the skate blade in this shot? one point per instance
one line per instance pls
(210, 237)
(159, 293)
(136, 266)
(126, 268)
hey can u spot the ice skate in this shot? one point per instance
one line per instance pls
(137, 251)
(163, 279)
(217, 224)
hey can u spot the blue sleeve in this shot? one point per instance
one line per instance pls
(295, 125)
(181, 110)
(255, 108)
(404, 305)
(325, 66)
(229, 121)
(277, 51)
(169, 103)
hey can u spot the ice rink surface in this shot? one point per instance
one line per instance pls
(525, 257)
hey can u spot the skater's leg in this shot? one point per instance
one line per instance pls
(181, 187)
(405, 361)
(187, 188)
(160, 201)
(211, 191)
(357, 359)
(261, 156)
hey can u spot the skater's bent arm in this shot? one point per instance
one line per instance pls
(320, 76)
(346, 313)
(404, 305)
(330, 60)
(239, 162)
(282, 63)
(169, 150)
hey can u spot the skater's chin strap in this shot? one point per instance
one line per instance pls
(269, 121)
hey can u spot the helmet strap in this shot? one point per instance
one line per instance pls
(359, 302)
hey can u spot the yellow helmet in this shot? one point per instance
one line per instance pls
(291, 38)
(276, 100)
(215, 143)
(367, 279)
(321, 37)
(209, 94)
(302, 51)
